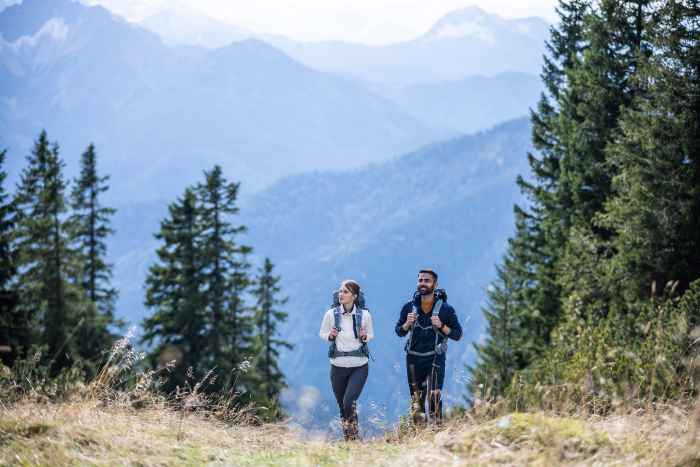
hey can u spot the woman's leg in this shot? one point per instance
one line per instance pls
(339, 382)
(356, 382)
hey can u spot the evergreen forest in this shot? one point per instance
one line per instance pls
(597, 298)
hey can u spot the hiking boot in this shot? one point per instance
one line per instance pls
(353, 431)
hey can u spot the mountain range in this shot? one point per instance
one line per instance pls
(464, 42)
(155, 112)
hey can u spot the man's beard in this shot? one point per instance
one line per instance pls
(426, 290)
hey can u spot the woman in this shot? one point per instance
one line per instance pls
(348, 328)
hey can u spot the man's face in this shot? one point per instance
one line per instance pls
(426, 283)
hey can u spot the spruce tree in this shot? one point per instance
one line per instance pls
(13, 329)
(268, 317)
(90, 228)
(174, 292)
(45, 262)
(496, 360)
(656, 206)
(223, 275)
(540, 226)
(240, 325)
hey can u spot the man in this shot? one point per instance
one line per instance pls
(430, 321)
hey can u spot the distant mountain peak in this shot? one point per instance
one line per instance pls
(471, 21)
(467, 13)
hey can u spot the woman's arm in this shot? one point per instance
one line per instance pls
(369, 327)
(326, 326)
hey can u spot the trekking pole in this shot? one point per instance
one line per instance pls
(429, 399)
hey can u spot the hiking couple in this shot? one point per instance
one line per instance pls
(427, 319)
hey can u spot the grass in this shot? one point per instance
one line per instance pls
(120, 418)
(89, 433)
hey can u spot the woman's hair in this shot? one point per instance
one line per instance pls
(352, 286)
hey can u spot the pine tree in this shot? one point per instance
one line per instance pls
(240, 324)
(267, 319)
(602, 84)
(90, 227)
(174, 292)
(656, 208)
(496, 361)
(45, 262)
(222, 266)
(198, 290)
(541, 226)
(606, 84)
(13, 331)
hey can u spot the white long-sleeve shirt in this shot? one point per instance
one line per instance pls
(346, 341)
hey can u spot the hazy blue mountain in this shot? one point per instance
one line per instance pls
(468, 105)
(180, 25)
(464, 42)
(160, 114)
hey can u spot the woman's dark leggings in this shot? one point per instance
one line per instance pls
(347, 385)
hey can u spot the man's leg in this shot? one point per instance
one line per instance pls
(418, 373)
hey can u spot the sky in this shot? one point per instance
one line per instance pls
(366, 21)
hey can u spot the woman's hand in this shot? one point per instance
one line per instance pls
(363, 334)
(333, 334)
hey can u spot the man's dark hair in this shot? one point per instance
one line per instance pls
(429, 271)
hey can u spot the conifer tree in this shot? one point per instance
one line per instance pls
(224, 275)
(496, 356)
(657, 191)
(540, 230)
(45, 262)
(13, 330)
(198, 288)
(240, 323)
(268, 317)
(90, 228)
(174, 292)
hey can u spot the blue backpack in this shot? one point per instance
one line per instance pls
(360, 307)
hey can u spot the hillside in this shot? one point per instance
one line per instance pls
(84, 433)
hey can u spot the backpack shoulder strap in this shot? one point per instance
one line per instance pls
(359, 314)
(337, 317)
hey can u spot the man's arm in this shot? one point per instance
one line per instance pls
(400, 331)
(452, 328)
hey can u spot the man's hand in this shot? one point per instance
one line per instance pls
(435, 320)
(410, 319)
(333, 334)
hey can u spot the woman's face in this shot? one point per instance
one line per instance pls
(345, 296)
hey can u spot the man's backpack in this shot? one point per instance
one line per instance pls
(440, 339)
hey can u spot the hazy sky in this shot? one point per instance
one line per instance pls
(369, 21)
